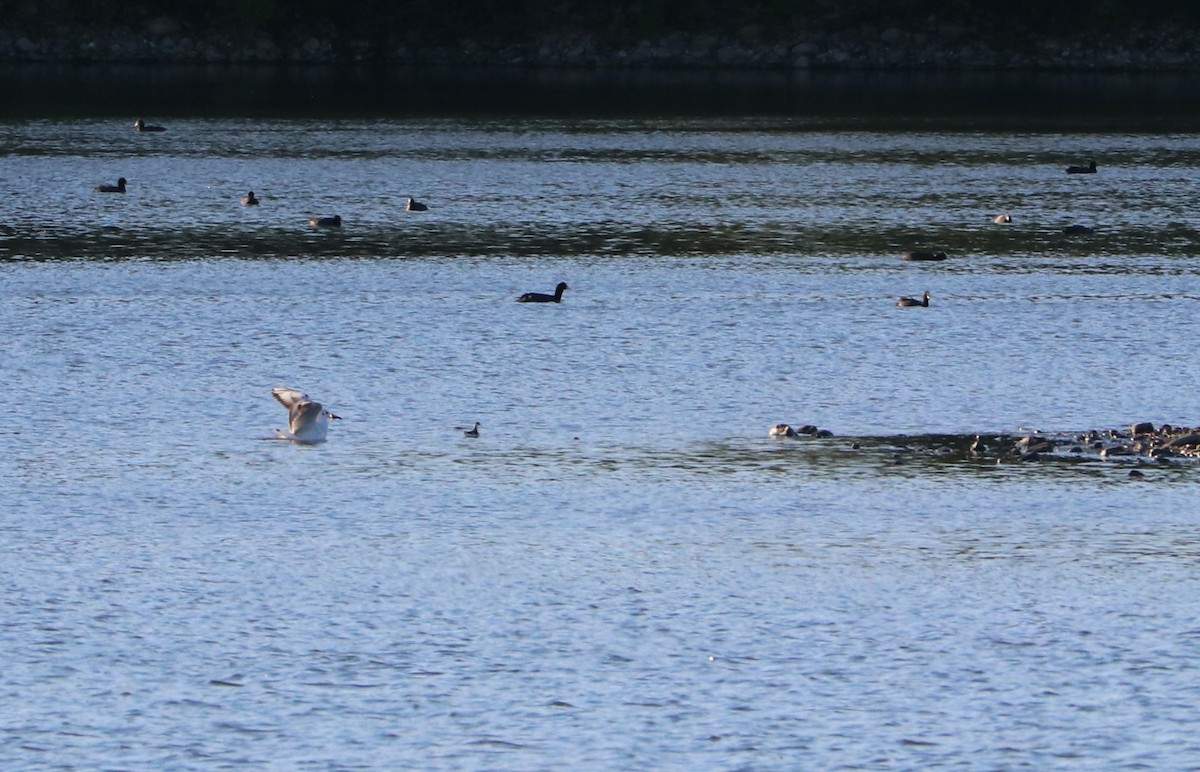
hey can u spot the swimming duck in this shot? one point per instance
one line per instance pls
(473, 431)
(781, 430)
(538, 297)
(118, 188)
(140, 125)
(910, 302)
(414, 205)
(1002, 219)
(1089, 169)
(250, 200)
(923, 257)
(326, 222)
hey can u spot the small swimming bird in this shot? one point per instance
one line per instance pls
(910, 302)
(326, 222)
(1002, 219)
(118, 188)
(414, 205)
(1089, 169)
(923, 257)
(140, 125)
(473, 431)
(539, 297)
(307, 420)
(250, 200)
(782, 430)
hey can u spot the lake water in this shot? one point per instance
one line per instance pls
(624, 571)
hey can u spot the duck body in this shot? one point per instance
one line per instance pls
(414, 205)
(250, 200)
(1089, 169)
(540, 297)
(923, 257)
(308, 421)
(1002, 219)
(911, 302)
(140, 125)
(473, 431)
(782, 430)
(326, 222)
(118, 188)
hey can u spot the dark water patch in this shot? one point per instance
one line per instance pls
(1064, 455)
(882, 100)
(1117, 252)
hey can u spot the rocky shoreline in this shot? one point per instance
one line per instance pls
(164, 40)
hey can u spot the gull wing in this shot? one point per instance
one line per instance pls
(289, 398)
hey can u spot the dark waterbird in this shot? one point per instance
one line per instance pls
(414, 205)
(118, 188)
(787, 430)
(326, 222)
(1089, 169)
(923, 257)
(910, 302)
(140, 125)
(539, 297)
(250, 200)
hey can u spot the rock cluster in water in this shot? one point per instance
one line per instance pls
(1140, 442)
(933, 45)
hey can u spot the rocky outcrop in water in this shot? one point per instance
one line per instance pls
(1141, 442)
(1138, 447)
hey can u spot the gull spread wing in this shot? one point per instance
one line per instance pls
(289, 398)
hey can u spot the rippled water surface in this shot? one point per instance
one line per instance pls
(623, 571)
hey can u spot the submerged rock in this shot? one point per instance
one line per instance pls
(1182, 440)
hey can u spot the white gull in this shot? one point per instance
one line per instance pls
(308, 421)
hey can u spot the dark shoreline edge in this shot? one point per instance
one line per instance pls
(163, 41)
